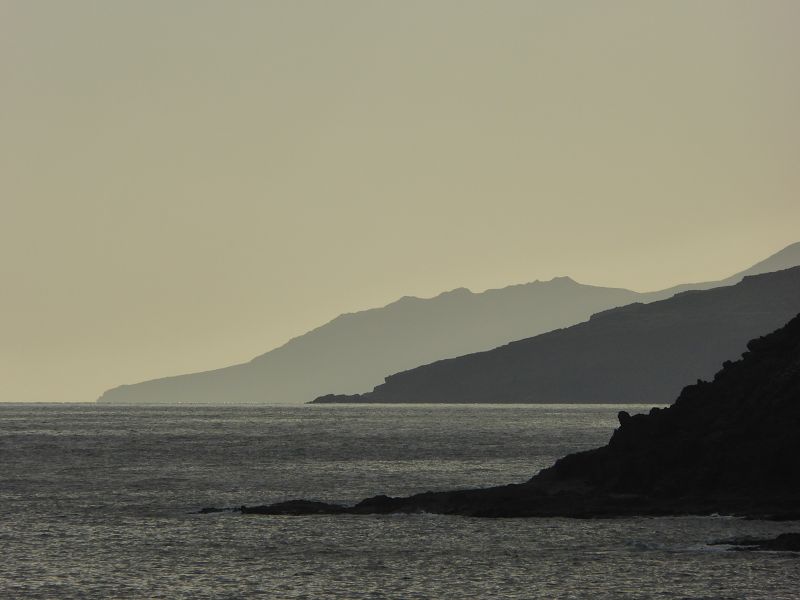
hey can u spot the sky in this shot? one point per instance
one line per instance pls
(186, 184)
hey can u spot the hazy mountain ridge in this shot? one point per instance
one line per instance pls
(635, 353)
(355, 351)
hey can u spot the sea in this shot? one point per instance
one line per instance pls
(100, 501)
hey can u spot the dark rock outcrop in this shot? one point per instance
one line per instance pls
(730, 445)
(633, 354)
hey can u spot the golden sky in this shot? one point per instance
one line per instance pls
(185, 184)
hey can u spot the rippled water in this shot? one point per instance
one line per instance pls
(97, 502)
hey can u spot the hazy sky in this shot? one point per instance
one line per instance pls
(186, 184)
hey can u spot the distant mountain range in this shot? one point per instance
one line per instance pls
(640, 353)
(354, 352)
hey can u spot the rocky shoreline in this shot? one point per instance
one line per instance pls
(729, 446)
(524, 501)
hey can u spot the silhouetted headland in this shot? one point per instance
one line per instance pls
(725, 446)
(354, 352)
(640, 353)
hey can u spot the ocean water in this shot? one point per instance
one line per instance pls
(101, 501)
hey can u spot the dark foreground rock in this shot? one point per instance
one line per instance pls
(730, 446)
(527, 500)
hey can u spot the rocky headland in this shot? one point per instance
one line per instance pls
(729, 446)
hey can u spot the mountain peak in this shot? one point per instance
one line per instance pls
(459, 291)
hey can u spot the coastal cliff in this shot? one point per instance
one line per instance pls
(730, 445)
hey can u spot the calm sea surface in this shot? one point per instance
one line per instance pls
(98, 502)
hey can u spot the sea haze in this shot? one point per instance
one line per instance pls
(100, 501)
